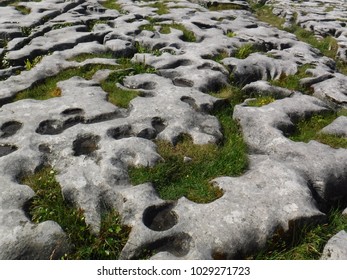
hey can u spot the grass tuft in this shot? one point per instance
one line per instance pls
(244, 51)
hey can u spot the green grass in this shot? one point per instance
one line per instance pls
(49, 204)
(112, 4)
(218, 57)
(261, 101)
(174, 178)
(48, 87)
(161, 8)
(22, 9)
(244, 51)
(305, 243)
(230, 34)
(84, 56)
(309, 129)
(188, 36)
(293, 81)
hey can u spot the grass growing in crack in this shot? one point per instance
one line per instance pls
(22, 9)
(49, 204)
(309, 129)
(260, 101)
(48, 88)
(304, 244)
(111, 4)
(84, 56)
(188, 36)
(225, 6)
(161, 8)
(293, 81)
(174, 178)
(244, 51)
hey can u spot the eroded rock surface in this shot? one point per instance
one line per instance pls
(91, 142)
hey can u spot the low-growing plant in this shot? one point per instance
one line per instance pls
(230, 34)
(30, 64)
(215, 6)
(49, 204)
(175, 177)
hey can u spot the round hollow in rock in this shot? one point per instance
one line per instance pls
(160, 217)
(85, 144)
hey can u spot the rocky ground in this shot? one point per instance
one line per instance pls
(91, 142)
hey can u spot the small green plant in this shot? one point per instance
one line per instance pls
(261, 101)
(175, 177)
(230, 34)
(62, 25)
(218, 57)
(309, 129)
(244, 51)
(143, 49)
(49, 204)
(305, 243)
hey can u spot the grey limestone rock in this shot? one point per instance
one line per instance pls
(91, 143)
(336, 248)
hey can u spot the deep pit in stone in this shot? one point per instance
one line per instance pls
(85, 144)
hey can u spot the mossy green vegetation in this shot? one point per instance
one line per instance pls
(305, 243)
(175, 177)
(309, 129)
(49, 204)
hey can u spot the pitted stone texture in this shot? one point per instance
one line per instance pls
(91, 143)
(336, 248)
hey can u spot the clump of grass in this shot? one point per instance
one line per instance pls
(306, 243)
(161, 7)
(264, 13)
(143, 49)
(260, 101)
(293, 81)
(49, 204)
(188, 36)
(174, 178)
(244, 51)
(30, 64)
(231, 34)
(111, 4)
(309, 129)
(218, 57)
